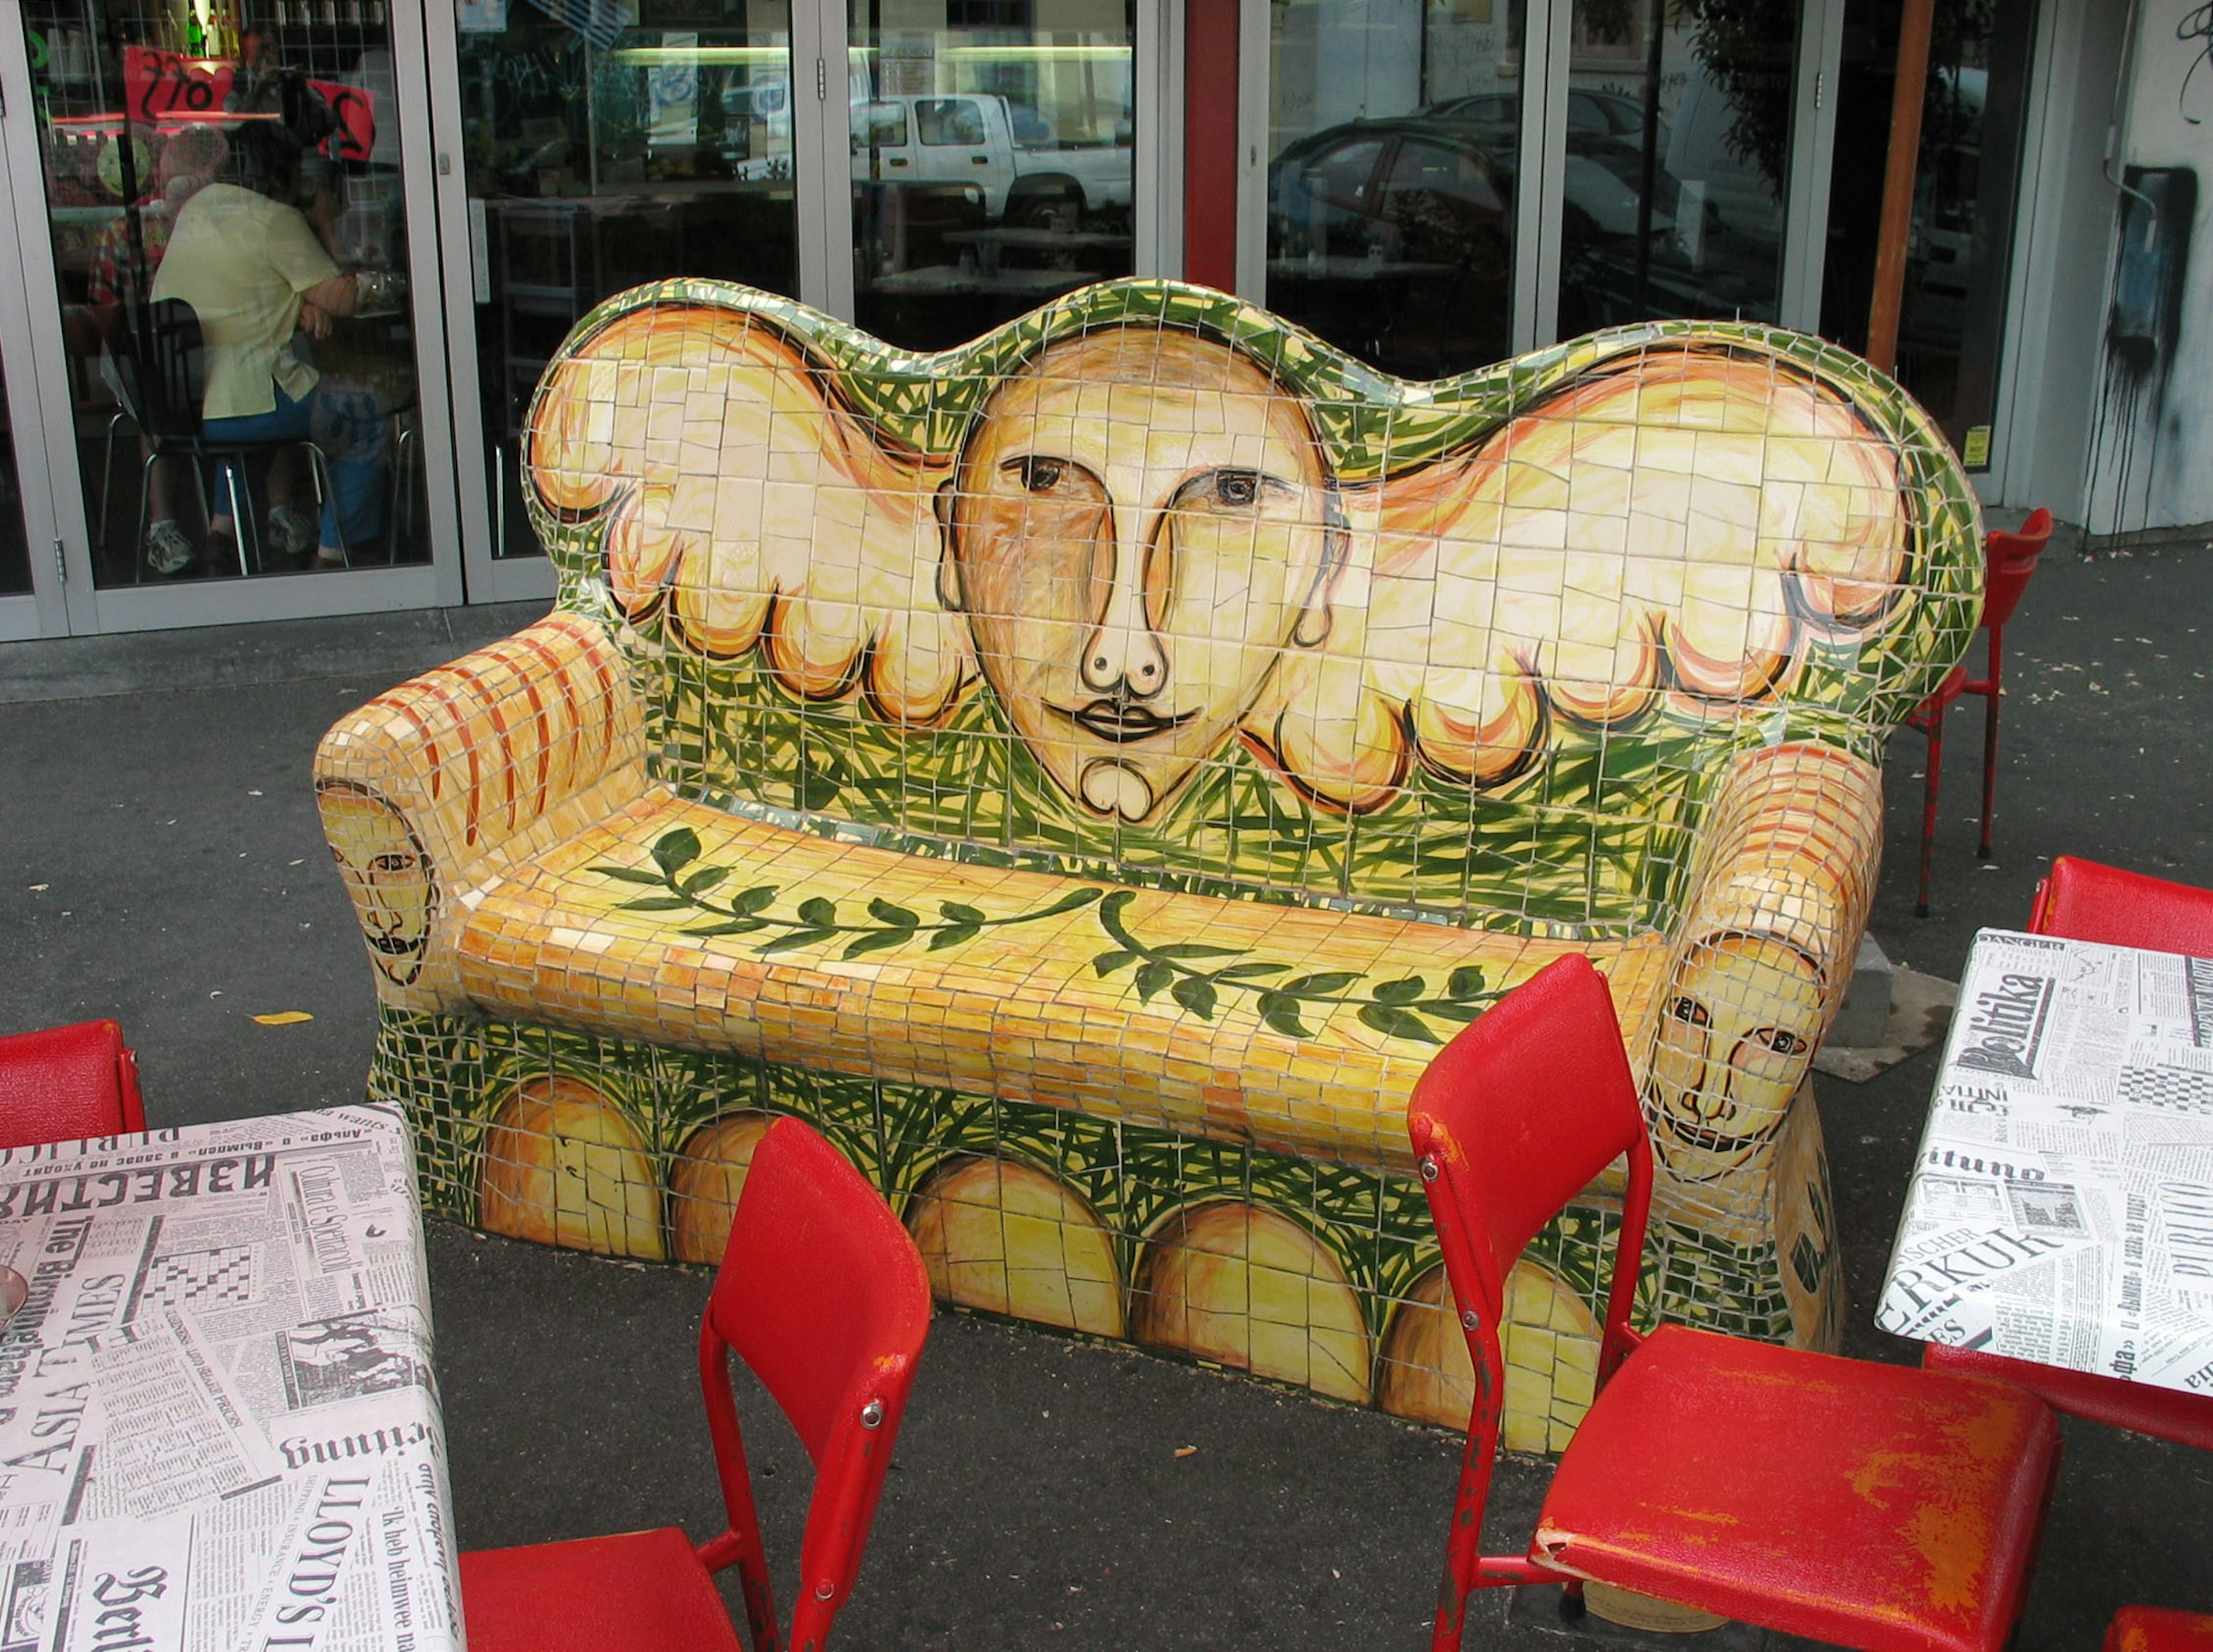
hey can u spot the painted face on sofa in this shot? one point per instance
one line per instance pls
(388, 875)
(1139, 526)
(1738, 1027)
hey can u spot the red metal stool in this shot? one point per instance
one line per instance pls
(2010, 559)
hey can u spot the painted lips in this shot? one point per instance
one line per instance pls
(1120, 722)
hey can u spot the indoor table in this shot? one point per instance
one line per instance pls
(218, 1424)
(2062, 1204)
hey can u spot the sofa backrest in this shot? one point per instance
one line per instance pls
(1151, 584)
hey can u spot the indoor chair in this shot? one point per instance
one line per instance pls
(2085, 901)
(2158, 1629)
(1869, 1506)
(2009, 559)
(160, 371)
(822, 1293)
(68, 1084)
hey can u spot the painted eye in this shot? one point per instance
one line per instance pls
(1782, 1043)
(1239, 490)
(1038, 475)
(1690, 1011)
(398, 862)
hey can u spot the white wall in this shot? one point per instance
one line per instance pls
(2151, 422)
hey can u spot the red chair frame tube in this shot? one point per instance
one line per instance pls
(2009, 561)
(68, 1083)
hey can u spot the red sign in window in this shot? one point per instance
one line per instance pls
(160, 88)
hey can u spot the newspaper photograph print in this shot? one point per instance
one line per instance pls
(219, 1419)
(2062, 1204)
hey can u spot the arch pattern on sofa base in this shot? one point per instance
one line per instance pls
(1320, 1274)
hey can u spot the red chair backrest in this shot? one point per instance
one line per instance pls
(2009, 559)
(822, 1293)
(1513, 1118)
(67, 1084)
(2085, 901)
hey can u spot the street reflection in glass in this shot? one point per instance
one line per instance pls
(1394, 127)
(1677, 170)
(993, 144)
(609, 144)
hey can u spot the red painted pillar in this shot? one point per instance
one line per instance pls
(1210, 136)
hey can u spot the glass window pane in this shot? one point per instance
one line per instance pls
(1677, 173)
(223, 188)
(15, 544)
(1019, 184)
(1952, 323)
(624, 142)
(1394, 133)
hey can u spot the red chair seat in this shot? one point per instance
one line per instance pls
(2156, 1629)
(642, 1590)
(67, 1084)
(2163, 1413)
(1826, 1497)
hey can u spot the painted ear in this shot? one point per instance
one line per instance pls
(942, 503)
(1317, 616)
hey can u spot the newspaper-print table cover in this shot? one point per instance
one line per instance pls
(2061, 1207)
(218, 1424)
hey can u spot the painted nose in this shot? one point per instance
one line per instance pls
(1122, 654)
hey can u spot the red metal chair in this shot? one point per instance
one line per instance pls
(2009, 560)
(67, 1084)
(2085, 901)
(1869, 1506)
(2156, 1629)
(822, 1293)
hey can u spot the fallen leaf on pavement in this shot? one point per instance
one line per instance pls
(284, 1018)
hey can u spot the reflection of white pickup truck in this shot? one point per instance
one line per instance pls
(1004, 150)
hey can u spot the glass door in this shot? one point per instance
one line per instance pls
(240, 379)
(1394, 139)
(602, 143)
(1958, 254)
(1676, 177)
(994, 149)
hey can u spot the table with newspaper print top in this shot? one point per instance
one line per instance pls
(2062, 1204)
(218, 1424)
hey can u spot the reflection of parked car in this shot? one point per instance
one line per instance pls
(1005, 150)
(1428, 198)
(1394, 239)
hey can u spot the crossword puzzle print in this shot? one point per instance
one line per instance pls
(2176, 1088)
(202, 1279)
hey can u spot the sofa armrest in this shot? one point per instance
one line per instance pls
(433, 789)
(1783, 873)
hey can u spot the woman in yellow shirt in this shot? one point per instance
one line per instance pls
(253, 270)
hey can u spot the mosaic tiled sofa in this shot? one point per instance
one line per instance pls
(1089, 771)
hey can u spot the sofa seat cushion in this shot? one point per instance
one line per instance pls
(1299, 1028)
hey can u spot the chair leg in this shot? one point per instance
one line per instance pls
(1929, 808)
(242, 521)
(145, 510)
(1464, 1546)
(108, 471)
(1990, 744)
(318, 467)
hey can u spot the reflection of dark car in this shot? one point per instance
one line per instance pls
(1393, 239)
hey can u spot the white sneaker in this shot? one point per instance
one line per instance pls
(291, 533)
(167, 550)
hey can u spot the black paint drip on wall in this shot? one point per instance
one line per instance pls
(2144, 330)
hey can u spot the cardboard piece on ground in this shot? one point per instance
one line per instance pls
(1920, 1012)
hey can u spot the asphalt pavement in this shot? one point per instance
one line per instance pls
(160, 862)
